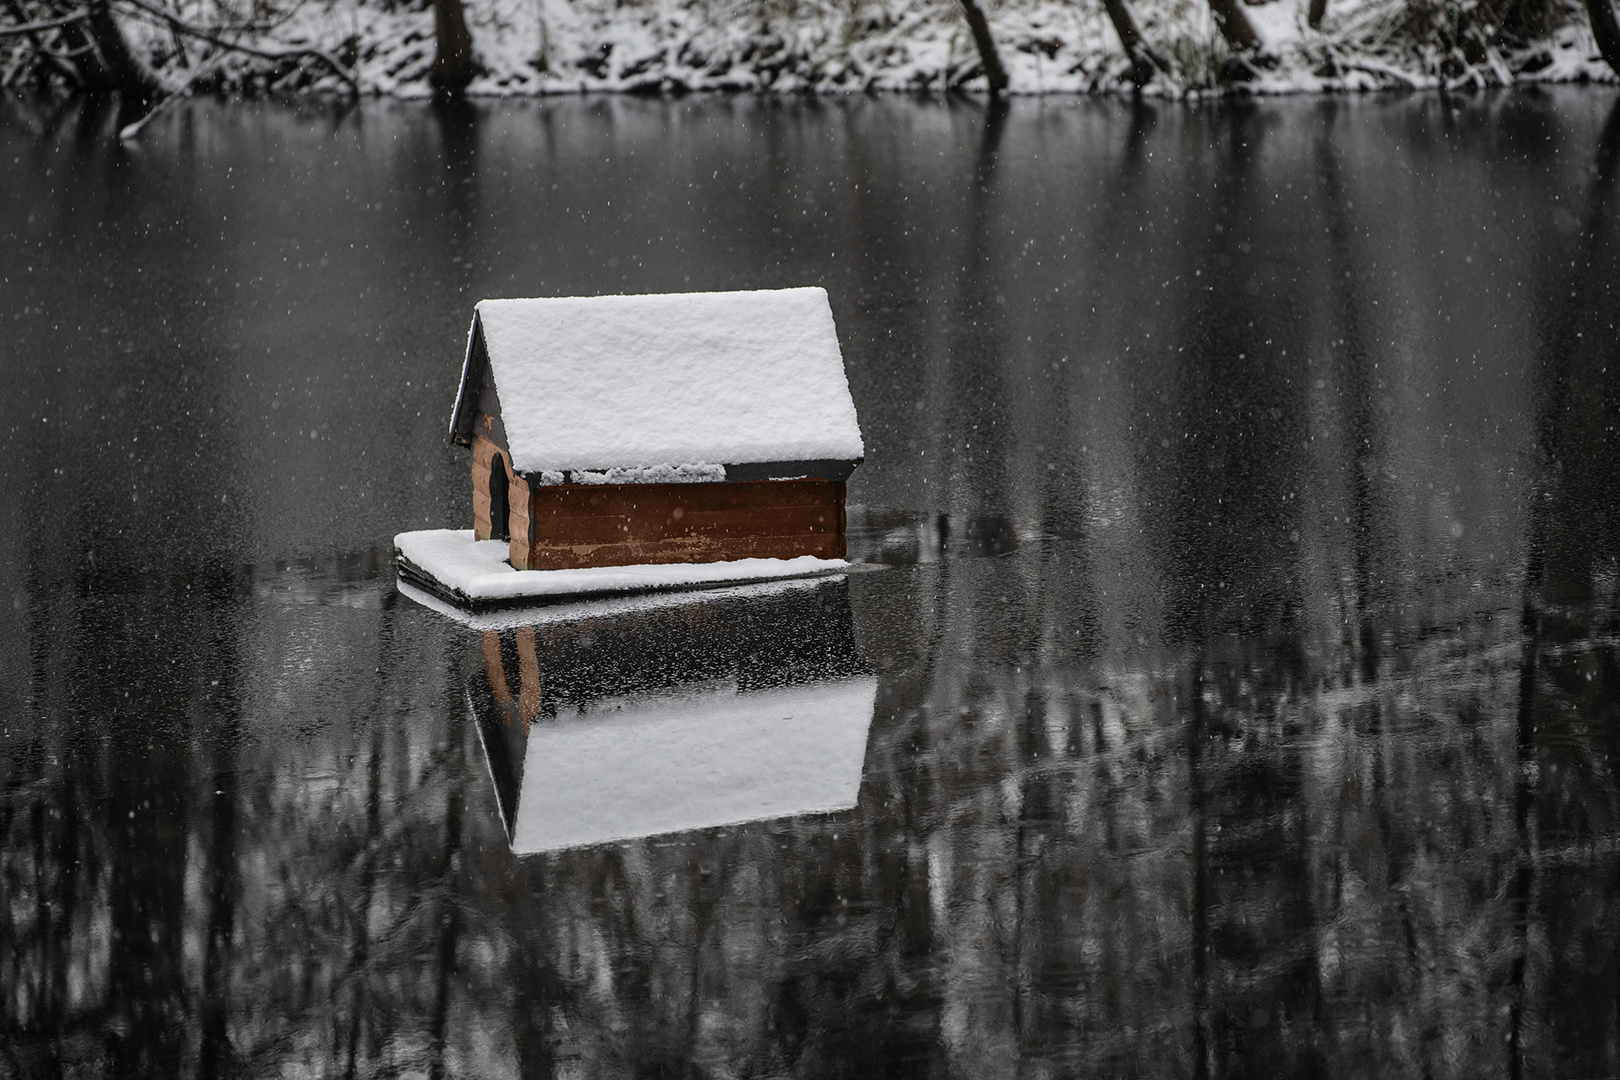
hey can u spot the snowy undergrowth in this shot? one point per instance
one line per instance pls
(528, 47)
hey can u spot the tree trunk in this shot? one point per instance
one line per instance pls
(1235, 26)
(994, 73)
(454, 65)
(111, 65)
(1144, 60)
(542, 57)
(1316, 13)
(1606, 29)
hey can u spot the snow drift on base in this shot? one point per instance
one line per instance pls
(548, 613)
(477, 570)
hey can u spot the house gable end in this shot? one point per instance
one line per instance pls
(476, 393)
(487, 420)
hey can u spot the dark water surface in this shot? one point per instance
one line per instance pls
(1237, 671)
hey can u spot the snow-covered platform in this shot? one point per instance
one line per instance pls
(473, 574)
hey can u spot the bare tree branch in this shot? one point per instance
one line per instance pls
(30, 29)
(294, 53)
(63, 65)
(133, 130)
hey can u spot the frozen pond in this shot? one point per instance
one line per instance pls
(1231, 687)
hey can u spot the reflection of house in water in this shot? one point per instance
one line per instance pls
(641, 722)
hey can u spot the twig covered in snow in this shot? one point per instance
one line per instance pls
(133, 130)
(287, 53)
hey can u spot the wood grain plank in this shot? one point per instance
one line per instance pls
(520, 524)
(600, 529)
(605, 525)
(584, 500)
(589, 525)
(483, 453)
(694, 549)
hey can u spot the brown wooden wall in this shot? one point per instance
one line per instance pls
(517, 498)
(483, 452)
(579, 525)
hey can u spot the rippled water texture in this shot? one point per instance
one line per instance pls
(1230, 689)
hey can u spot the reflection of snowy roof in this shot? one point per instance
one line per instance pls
(636, 381)
(666, 765)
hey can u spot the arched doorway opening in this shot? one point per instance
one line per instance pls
(500, 510)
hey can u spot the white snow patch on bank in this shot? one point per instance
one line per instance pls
(604, 382)
(654, 766)
(478, 570)
(532, 47)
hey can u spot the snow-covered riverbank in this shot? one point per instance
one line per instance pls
(528, 47)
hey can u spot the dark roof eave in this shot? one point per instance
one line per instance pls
(836, 469)
(463, 417)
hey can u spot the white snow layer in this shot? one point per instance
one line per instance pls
(667, 765)
(587, 607)
(653, 474)
(638, 382)
(478, 570)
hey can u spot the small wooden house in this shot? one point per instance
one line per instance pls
(696, 427)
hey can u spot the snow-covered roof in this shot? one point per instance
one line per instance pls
(605, 382)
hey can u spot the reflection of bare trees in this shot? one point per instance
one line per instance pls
(1209, 865)
(1567, 805)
